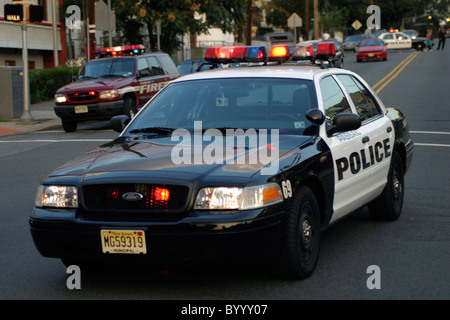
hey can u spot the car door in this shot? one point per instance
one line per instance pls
(403, 41)
(377, 135)
(389, 40)
(350, 177)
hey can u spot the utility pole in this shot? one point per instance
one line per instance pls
(316, 19)
(307, 19)
(248, 38)
(55, 34)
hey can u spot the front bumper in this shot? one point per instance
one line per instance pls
(371, 55)
(96, 111)
(59, 234)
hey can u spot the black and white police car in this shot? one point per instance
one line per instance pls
(231, 163)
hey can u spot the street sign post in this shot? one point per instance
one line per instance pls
(293, 22)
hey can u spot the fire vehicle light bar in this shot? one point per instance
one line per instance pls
(120, 50)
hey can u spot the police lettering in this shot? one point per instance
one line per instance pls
(363, 159)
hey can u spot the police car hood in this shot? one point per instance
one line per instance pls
(93, 84)
(163, 157)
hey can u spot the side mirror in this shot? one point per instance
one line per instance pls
(118, 123)
(344, 122)
(315, 116)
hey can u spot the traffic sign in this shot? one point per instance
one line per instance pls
(294, 21)
(356, 25)
(13, 12)
(35, 13)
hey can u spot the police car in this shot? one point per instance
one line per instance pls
(120, 81)
(231, 163)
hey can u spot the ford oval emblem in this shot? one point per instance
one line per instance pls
(132, 196)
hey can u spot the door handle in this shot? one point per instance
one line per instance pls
(365, 139)
(389, 129)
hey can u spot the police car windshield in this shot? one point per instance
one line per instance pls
(122, 67)
(262, 103)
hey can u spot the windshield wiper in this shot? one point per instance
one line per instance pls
(86, 77)
(156, 130)
(111, 75)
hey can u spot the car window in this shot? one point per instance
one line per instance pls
(108, 67)
(168, 64)
(364, 102)
(389, 36)
(143, 67)
(334, 100)
(401, 36)
(155, 66)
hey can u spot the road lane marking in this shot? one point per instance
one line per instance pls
(430, 132)
(432, 144)
(394, 73)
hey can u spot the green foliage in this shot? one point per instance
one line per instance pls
(45, 82)
(177, 17)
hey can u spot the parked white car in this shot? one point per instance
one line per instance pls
(396, 40)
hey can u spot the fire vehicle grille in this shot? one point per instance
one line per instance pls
(84, 96)
(151, 198)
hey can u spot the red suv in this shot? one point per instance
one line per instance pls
(120, 81)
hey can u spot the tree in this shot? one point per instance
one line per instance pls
(177, 17)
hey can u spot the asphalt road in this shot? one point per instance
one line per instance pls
(413, 253)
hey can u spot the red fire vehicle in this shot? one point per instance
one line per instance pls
(119, 81)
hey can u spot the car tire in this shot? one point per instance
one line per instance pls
(300, 251)
(129, 107)
(388, 206)
(69, 126)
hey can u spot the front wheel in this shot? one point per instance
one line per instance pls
(129, 107)
(298, 257)
(69, 126)
(388, 206)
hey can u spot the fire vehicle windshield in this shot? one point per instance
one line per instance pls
(123, 67)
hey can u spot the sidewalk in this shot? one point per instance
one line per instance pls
(44, 118)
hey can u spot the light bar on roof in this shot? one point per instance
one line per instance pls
(303, 52)
(230, 54)
(120, 50)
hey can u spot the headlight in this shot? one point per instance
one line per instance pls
(60, 98)
(109, 94)
(233, 198)
(57, 196)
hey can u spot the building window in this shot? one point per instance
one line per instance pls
(31, 65)
(10, 63)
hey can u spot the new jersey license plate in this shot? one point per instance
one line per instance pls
(81, 109)
(123, 241)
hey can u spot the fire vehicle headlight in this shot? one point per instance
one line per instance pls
(233, 198)
(57, 197)
(60, 98)
(109, 94)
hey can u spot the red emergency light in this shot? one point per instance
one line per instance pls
(325, 51)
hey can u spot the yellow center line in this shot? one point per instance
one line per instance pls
(398, 68)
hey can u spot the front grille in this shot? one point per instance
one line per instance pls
(84, 96)
(110, 197)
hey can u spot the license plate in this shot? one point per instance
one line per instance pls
(123, 241)
(371, 54)
(81, 109)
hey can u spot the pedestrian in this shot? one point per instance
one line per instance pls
(300, 39)
(429, 43)
(441, 35)
(326, 35)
